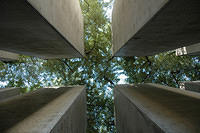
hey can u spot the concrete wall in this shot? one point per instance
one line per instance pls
(189, 50)
(8, 56)
(53, 30)
(151, 108)
(48, 110)
(148, 27)
(65, 16)
(130, 16)
(7, 93)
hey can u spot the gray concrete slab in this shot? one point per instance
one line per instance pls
(148, 27)
(189, 50)
(8, 56)
(48, 110)
(191, 86)
(7, 93)
(46, 29)
(151, 108)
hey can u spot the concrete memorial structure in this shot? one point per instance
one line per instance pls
(47, 110)
(191, 86)
(152, 108)
(189, 50)
(46, 29)
(42, 28)
(148, 27)
(8, 56)
(7, 93)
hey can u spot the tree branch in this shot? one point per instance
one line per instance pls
(107, 79)
(174, 77)
(149, 62)
(87, 5)
(67, 65)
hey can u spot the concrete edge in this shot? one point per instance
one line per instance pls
(172, 89)
(8, 56)
(141, 109)
(34, 121)
(77, 50)
(116, 53)
(5, 89)
(152, 113)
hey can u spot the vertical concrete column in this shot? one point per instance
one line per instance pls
(49, 110)
(8, 56)
(148, 27)
(66, 17)
(152, 108)
(42, 28)
(7, 93)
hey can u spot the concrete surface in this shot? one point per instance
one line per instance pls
(7, 93)
(54, 30)
(148, 27)
(191, 86)
(49, 110)
(8, 56)
(151, 108)
(189, 50)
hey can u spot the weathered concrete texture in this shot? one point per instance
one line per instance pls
(8, 56)
(49, 110)
(54, 30)
(151, 108)
(148, 27)
(191, 86)
(7, 93)
(189, 50)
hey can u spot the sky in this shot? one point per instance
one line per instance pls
(109, 10)
(122, 78)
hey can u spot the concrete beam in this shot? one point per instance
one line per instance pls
(8, 56)
(148, 27)
(189, 50)
(42, 28)
(7, 93)
(151, 108)
(191, 86)
(49, 110)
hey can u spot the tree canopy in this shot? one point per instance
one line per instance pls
(165, 68)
